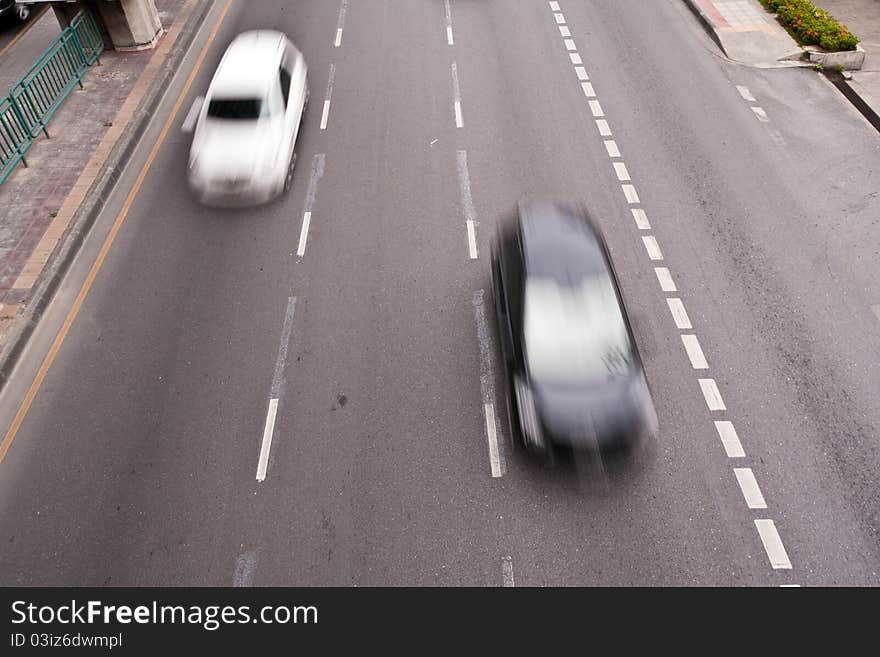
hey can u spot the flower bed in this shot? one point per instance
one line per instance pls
(810, 25)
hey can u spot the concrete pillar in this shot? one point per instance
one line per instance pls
(126, 24)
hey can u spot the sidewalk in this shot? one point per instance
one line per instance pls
(46, 208)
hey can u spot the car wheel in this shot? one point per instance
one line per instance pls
(22, 12)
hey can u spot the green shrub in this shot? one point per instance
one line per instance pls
(810, 25)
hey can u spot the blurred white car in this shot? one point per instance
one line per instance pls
(242, 150)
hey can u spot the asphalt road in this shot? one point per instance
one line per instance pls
(137, 463)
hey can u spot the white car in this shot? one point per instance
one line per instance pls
(242, 150)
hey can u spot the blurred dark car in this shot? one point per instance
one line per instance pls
(10, 9)
(572, 366)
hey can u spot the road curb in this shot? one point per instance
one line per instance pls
(705, 21)
(22, 327)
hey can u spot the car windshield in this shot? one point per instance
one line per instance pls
(575, 333)
(237, 108)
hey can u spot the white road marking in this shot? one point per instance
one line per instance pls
(773, 544)
(596, 108)
(467, 202)
(876, 310)
(641, 219)
(652, 247)
(630, 192)
(712, 395)
(604, 130)
(314, 178)
(588, 90)
(564, 31)
(761, 114)
(582, 74)
(507, 572)
(491, 433)
(745, 93)
(732, 447)
(266, 445)
(611, 147)
(456, 94)
(694, 352)
(449, 39)
(433, 141)
(340, 23)
(665, 279)
(679, 314)
(749, 487)
(621, 171)
(789, 586)
(554, 6)
(472, 240)
(325, 114)
(560, 18)
(193, 115)
(304, 234)
(487, 386)
(575, 58)
(569, 44)
(244, 570)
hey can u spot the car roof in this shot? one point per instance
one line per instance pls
(560, 241)
(249, 65)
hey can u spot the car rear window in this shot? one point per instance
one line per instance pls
(237, 108)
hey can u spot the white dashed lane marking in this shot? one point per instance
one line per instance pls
(749, 487)
(761, 114)
(467, 203)
(325, 114)
(569, 44)
(745, 93)
(732, 447)
(581, 72)
(456, 95)
(340, 23)
(652, 247)
(449, 38)
(487, 386)
(679, 314)
(641, 218)
(622, 172)
(665, 279)
(507, 572)
(773, 544)
(588, 90)
(554, 6)
(611, 148)
(694, 352)
(564, 31)
(560, 18)
(596, 108)
(630, 192)
(575, 58)
(712, 395)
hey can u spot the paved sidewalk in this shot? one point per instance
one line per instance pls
(41, 204)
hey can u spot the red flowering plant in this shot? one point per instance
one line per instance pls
(810, 25)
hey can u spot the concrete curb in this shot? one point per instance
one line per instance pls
(59, 262)
(705, 22)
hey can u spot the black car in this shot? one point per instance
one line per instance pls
(12, 9)
(573, 369)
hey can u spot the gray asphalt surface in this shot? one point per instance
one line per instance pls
(136, 462)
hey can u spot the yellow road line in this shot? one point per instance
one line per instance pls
(25, 30)
(102, 255)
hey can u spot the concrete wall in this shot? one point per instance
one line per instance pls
(126, 24)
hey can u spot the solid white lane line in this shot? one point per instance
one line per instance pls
(611, 147)
(494, 435)
(789, 586)
(630, 192)
(569, 45)
(773, 544)
(679, 314)
(596, 108)
(560, 19)
(564, 31)
(507, 572)
(325, 114)
(340, 23)
(761, 114)
(472, 240)
(732, 447)
(712, 395)
(467, 202)
(582, 74)
(304, 234)
(575, 58)
(266, 445)
(604, 129)
(652, 247)
(192, 116)
(554, 6)
(456, 94)
(244, 570)
(749, 487)
(491, 434)
(449, 39)
(745, 93)
(641, 219)
(665, 279)
(621, 171)
(694, 352)
(588, 90)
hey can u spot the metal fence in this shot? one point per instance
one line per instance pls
(27, 109)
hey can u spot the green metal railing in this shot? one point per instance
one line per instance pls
(31, 103)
